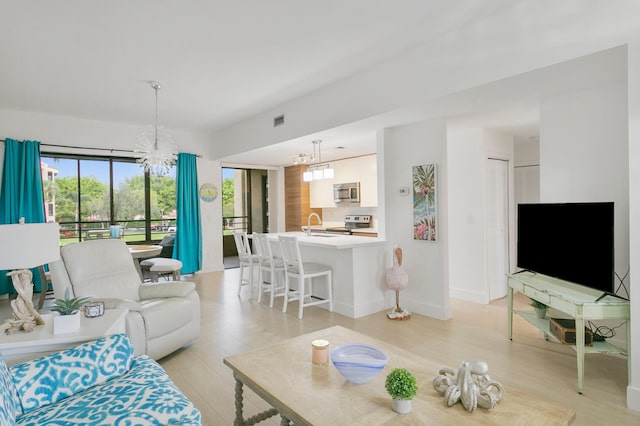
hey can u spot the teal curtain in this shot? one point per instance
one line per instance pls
(188, 242)
(21, 193)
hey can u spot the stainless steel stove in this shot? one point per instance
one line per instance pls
(351, 222)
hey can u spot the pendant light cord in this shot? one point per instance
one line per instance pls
(156, 86)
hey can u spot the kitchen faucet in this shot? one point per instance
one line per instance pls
(309, 222)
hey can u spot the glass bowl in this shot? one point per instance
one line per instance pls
(357, 362)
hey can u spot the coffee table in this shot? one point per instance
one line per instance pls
(20, 346)
(307, 394)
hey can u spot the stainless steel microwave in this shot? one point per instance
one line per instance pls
(346, 192)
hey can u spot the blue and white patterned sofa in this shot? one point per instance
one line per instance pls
(96, 383)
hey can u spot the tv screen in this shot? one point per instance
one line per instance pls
(571, 241)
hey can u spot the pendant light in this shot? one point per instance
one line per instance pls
(155, 150)
(318, 170)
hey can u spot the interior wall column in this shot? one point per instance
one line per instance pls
(633, 76)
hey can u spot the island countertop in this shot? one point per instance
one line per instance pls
(336, 241)
(358, 265)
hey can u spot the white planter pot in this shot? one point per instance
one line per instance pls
(540, 312)
(66, 323)
(401, 406)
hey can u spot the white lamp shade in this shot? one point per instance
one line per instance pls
(307, 176)
(328, 173)
(29, 245)
(317, 174)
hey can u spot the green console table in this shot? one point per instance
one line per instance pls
(574, 300)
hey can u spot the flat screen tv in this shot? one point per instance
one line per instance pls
(570, 241)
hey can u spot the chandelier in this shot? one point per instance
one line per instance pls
(155, 149)
(319, 170)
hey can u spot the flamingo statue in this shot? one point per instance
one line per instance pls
(397, 280)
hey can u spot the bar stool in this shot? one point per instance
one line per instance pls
(301, 271)
(247, 260)
(271, 265)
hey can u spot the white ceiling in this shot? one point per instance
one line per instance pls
(219, 61)
(223, 61)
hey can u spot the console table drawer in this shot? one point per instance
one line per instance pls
(536, 294)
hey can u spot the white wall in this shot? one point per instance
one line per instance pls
(63, 130)
(633, 390)
(467, 152)
(526, 152)
(424, 262)
(211, 217)
(527, 171)
(584, 152)
(465, 174)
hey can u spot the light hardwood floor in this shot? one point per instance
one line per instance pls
(547, 370)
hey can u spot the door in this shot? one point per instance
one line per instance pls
(244, 206)
(497, 227)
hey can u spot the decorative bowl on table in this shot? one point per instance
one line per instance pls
(357, 362)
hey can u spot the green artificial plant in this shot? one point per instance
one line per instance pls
(69, 306)
(538, 305)
(401, 384)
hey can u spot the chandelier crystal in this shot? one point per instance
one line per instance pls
(156, 151)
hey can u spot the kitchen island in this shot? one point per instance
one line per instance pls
(358, 264)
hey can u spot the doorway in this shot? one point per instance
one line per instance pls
(245, 207)
(497, 227)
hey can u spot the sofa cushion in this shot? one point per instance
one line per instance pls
(51, 378)
(8, 396)
(145, 395)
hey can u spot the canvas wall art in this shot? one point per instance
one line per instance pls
(425, 224)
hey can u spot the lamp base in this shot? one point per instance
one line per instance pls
(25, 315)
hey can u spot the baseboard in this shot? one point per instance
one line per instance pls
(633, 398)
(469, 296)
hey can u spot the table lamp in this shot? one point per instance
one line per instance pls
(26, 246)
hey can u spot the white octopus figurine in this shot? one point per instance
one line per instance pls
(482, 391)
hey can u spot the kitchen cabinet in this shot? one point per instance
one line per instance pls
(359, 169)
(321, 192)
(297, 207)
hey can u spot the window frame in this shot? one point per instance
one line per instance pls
(81, 225)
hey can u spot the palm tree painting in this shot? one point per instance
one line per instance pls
(424, 203)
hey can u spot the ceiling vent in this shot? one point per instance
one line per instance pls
(278, 120)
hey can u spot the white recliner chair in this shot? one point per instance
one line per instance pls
(162, 317)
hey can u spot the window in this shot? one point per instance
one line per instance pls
(87, 194)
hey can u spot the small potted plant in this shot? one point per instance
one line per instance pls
(540, 308)
(69, 309)
(402, 387)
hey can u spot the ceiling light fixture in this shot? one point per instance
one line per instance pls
(302, 159)
(156, 151)
(319, 170)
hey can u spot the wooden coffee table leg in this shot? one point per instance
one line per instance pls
(239, 416)
(240, 421)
